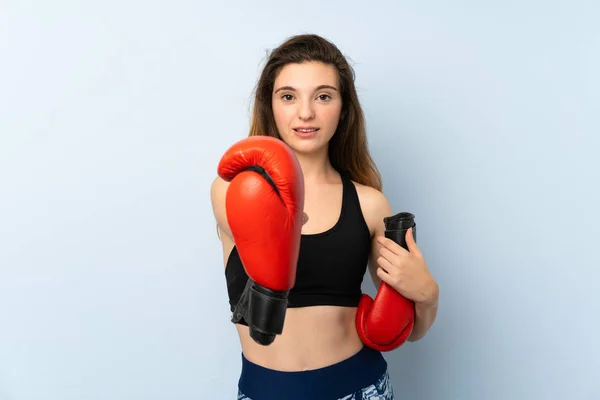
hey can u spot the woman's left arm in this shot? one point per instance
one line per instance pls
(404, 270)
(425, 315)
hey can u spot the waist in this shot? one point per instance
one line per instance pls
(335, 381)
(312, 337)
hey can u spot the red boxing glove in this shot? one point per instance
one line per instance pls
(385, 323)
(264, 205)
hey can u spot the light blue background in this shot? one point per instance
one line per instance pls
(483, 118)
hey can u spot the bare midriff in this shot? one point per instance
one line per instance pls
(312, 337)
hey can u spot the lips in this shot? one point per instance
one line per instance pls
(309, 129)
(306, 132)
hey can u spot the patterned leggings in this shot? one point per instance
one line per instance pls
(380, 390)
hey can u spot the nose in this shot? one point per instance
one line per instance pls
(306, 110)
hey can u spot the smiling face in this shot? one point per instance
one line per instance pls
(306, 105)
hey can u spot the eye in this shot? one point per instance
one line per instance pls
(287, 97)
(324, 97)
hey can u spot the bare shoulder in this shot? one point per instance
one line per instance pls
(374, 205)
(218, 193)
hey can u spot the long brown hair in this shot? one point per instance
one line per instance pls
(348, 149)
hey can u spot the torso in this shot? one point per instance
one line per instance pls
(315, 336)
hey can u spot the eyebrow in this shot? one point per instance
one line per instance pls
(318, 88)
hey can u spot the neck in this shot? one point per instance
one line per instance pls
(316, 167)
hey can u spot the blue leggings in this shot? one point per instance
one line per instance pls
(363, 376)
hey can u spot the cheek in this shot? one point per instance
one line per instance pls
(332, 116)
(332, 111)
(283, 115)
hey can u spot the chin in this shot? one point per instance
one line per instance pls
(304, 146)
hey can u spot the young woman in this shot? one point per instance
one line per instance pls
(306, 97)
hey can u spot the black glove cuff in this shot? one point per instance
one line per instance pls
(263, 310)
(397, 225)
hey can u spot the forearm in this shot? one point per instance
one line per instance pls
(425, 313)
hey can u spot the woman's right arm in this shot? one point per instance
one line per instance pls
(218, 192)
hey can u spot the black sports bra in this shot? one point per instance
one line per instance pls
(331, 264)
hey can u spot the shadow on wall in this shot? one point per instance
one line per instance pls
(3, 392)
(415, 368)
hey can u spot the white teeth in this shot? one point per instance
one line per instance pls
(306, 130)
